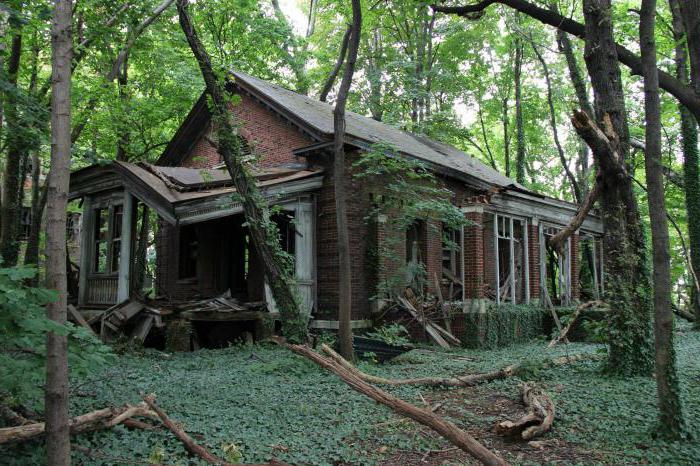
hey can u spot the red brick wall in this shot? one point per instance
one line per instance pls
(327, 248)
(474, 256)
(272, 138)
(575, 267)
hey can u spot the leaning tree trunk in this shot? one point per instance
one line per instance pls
(626, 279)
(670, 408)
(263, 232)
(56, 402)
(340, 177)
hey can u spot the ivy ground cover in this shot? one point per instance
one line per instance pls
(251, 403)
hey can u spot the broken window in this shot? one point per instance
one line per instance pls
(451, 263)
(555, 269)
(506, 259)
(107, 238)
(591, 267)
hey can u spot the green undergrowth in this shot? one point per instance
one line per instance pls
(260, 401)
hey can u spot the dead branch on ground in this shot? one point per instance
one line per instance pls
(192, 446)
(536, 422)
(424, 416)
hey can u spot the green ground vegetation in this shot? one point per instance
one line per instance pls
(255, 402)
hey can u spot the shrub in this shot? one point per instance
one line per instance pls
(503, 325)
(23, 326)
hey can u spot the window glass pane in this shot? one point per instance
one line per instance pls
(116, 251)
(100, 264)
(117, 215)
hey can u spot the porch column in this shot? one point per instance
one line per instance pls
(125, 251)
(86, 247)
(305, 253)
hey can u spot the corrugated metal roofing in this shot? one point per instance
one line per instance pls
(319, 116)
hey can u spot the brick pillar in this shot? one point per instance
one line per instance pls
(474, 255)
(433, 253)
(533, 236)
(575, 268)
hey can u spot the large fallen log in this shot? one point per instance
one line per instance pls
(536, 422)
(463, 381)
(683, 313)
(426, 417)
(192, 446)
(99, 419)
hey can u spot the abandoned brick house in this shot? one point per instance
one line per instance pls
(203, 250)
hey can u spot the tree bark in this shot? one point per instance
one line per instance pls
(56, 399)
(263, 233)
(691, 155)
(630, 343)
(328, 85)
(519, 127)
(537, 421)
(667, 82)
(9, 242)
(424, 416)
(670, 409)
(341, 179)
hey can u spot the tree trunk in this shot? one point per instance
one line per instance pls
(328, 85)
(263, 232)
(629, 341)
(9, 244)
(31, 254)
(520, 130)
(56, 402)
(670, 409)
(691, 156)
(506, 137)
(341, 178)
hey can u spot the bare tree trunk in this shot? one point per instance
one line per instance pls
(9, 244)
(506, 137)
(56, 402)
(374, 75)
(122, 82)
(31, 254)
(262, 230)
(340, 176)
(519, 129)
(328, 85)
(670, 409)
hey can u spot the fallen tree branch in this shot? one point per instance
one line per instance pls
(465, 381)
(93, 420)
(192, 446)
(424, 416)
(579, 309)
(683, 313)
(536, 422)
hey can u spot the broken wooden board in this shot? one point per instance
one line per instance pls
(428, 326)
(78, 317)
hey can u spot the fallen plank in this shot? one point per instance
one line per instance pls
(579, 309)
(79, 317)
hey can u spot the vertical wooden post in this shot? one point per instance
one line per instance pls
(461, 264)
(526, 255)
(543, 266)
(496, 264)
(86, 248)
(304, 252)
(511, 245)
(125, 258)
